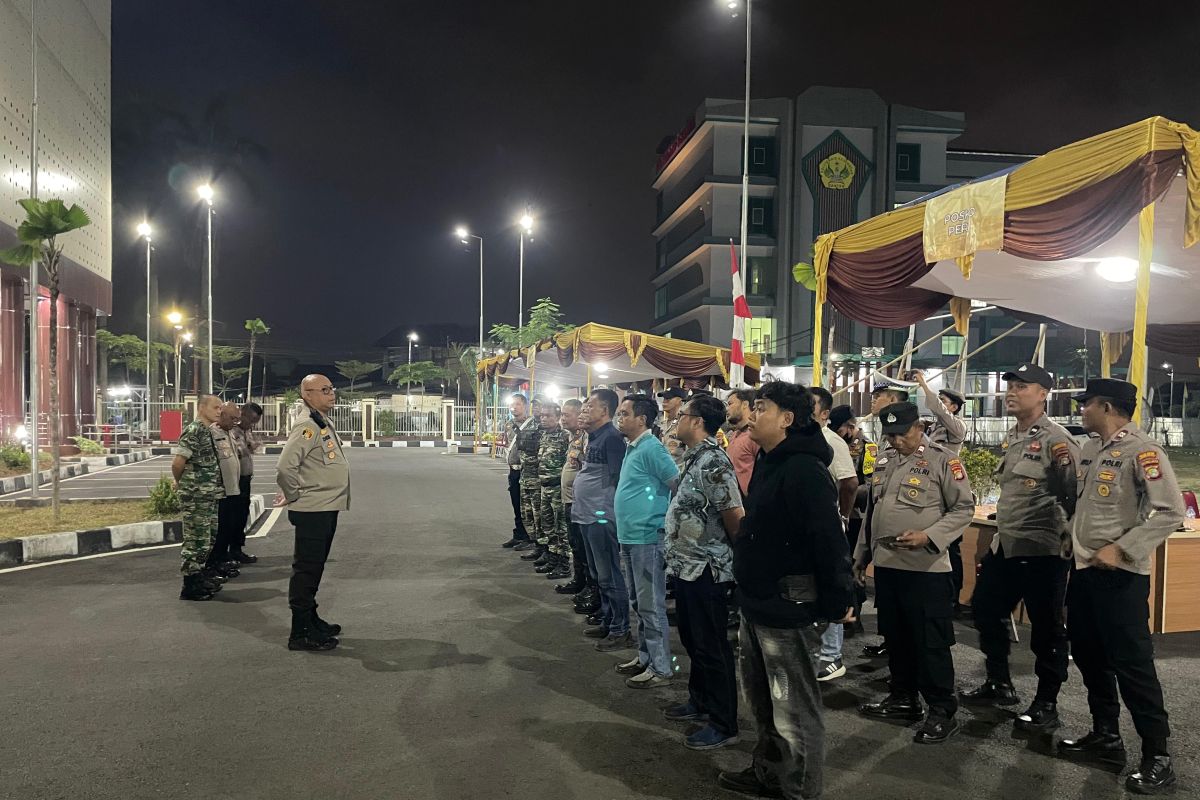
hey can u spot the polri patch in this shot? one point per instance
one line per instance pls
(308, 434)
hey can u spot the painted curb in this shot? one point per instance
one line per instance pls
(19, 483)
(72, 544)
(114, 460)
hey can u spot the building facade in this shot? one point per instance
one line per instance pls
(74, 164)
(818, 162)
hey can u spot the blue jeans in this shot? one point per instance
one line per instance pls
(831, 642)
(645, 568)
(604, 553)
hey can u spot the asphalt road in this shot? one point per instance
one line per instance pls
(461, 675)
(135, 480)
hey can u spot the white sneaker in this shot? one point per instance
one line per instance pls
(632, 667)
(647, 680)
(828, 670)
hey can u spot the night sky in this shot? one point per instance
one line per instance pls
(385, 124)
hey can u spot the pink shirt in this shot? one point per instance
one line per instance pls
(742, 451)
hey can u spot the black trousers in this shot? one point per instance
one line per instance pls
(915, 617)
(956, 571)
(514, 494)
(1041, 582)
(228, 514)
(575, 541)
(239, 540)
(1107, 620)
(314, 537)
(702, 617)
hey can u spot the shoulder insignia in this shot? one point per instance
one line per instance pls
(921, 450)
(956, 468)
(1120, 435)
(881, 461)
(1035, 430)
(308, 434)
(1004, 445)
(1151, 467)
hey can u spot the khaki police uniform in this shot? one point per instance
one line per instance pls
(1028, 557)
(513, 457)
(925, 491)
(670, 439)
(948, 431)
(315, 481)
(1128, 496)
(229, 504)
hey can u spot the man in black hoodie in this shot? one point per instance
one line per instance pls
(792, 566)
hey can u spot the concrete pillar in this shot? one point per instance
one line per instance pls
(447, 420)
(368, 420)
(191, 404)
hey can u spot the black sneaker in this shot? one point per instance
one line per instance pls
(312, 641)
(524, 544)
(1000, 693)
(937, 728)
(747, 782)
(875, 650)
(511, 543)
(1041, 716)
(597, 632)
(1155, 775)
(242, 557)
(829, 670)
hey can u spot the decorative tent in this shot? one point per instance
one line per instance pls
(595, 353)
(1068, 236)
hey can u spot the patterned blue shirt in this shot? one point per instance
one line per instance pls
(696, 536)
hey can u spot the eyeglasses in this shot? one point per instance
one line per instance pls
(323, 390)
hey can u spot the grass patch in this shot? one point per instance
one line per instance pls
(85, 515)
(1186, 462)
(44, 462)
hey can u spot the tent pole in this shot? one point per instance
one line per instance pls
(962, 371)
(1039, 352)
(894, 361)
(589, 379)
(908, 347)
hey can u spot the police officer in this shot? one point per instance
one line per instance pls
(948, 431)
(198, 482)
(247, 445)
(1129, 503)
(1028, 558)
(920, 503)
(229, 505)
(672, 403)
(314, 483)
(882, 395)
(552, 528)
(528, 439)
(519, 408)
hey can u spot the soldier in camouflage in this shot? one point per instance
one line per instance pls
(197, 474)
(552, 455)
(528, 440)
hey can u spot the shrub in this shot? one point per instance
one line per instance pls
(385, 423)
(981, 465)
(13, 456)
(89, 447)
(163, 500)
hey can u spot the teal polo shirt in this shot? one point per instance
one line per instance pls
(644, 490)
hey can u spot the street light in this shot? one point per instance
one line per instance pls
(143, 230)
(734, 6)
(412, 338)
(206, 194)
(526, 223)
(465, 236)
(1170, 400)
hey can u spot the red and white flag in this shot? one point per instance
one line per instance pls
(741, 313)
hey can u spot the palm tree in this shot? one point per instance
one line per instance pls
(257, 328)
(45, 221)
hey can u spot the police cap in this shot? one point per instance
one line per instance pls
(1108, 387)
(898, 418)
(1030, 373)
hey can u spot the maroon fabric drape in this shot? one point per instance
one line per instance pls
(875, 287)
(1180, 340)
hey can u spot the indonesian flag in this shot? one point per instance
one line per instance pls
(741, 313)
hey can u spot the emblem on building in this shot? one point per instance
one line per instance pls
(836, 172)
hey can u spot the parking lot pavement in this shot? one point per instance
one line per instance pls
(132, 481)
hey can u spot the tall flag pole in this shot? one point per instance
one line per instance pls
(741, 313)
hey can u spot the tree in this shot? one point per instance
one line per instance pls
(353, 369)
(545, 320)
(419, 372)
(460, 366)
(45, 221)
(223, 355)
(257, 328)
(128, 351)
(105, 339)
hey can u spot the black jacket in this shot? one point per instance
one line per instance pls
(791, 540)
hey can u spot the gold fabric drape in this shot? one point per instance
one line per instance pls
(960, 310)
(1137, 359)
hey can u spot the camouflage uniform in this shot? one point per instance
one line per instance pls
(528, 440)
(200, 488)
(552, 455)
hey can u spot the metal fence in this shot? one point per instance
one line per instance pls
(401, 422)
(130, 419)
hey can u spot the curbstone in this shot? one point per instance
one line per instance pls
(49, 545)
(137, 533)
(91, 542)
(19, 483)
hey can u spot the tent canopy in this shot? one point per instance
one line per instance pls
(593, 354)
(1063, 214)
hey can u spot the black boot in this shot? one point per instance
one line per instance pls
(937, 728)
(210, 580)
(536, 552)
(194, 589)
(1153, 776)
(562, 569)
(991, 691)
(1103, 744)
(545, 558)
(577, 582)
(1041, 716)
(306, 636)
(895, 706)
(548, 565)
(325, 628)
(242, 557)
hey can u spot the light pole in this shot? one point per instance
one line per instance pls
(412, 338)
(1170, 399)
(206, 194)
(526, 223)
(733, 6)
(176, 320)
(34, 333)
(465, 236)
(143, 230)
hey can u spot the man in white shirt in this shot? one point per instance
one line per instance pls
(846, 477)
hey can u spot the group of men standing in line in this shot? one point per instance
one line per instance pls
(781, 495)
(213, 468)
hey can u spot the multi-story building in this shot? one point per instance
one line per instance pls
(74, 165)
(818, 162)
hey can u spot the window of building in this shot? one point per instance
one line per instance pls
(952, 345)
(759, 275)
(908, 162)
(756, 216)
(661, 302)
(759, 335)
(762, 216)
(762, 155)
